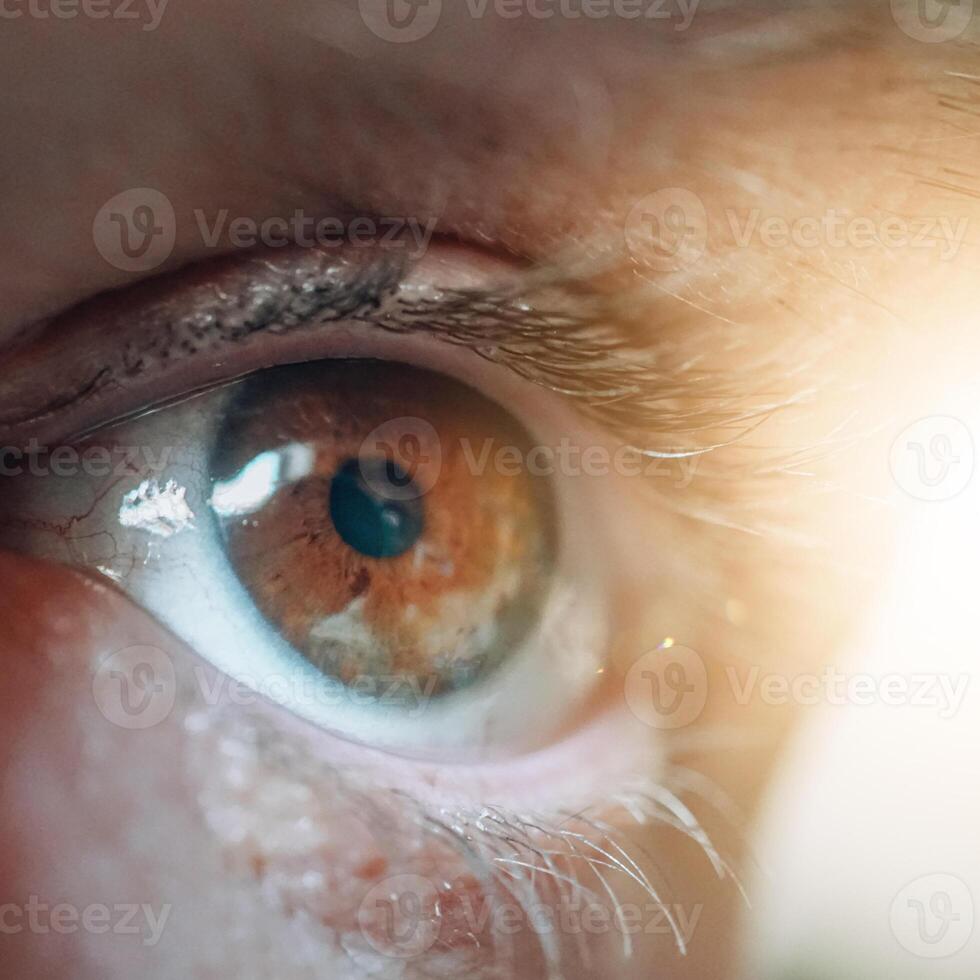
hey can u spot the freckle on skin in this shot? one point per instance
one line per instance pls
(372, 869)
(287, 821)
(314, 847)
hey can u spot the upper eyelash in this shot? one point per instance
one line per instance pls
(589, 356)
(325, 300)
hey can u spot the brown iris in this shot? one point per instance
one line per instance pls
(362, 510)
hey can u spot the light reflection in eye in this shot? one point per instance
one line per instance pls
(257, 481)
(161, 510)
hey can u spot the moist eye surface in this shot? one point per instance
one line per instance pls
(363, 507)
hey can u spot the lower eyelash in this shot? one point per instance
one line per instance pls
(260, 793)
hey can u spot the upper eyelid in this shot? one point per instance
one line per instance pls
(126, 334)
(109, 359)
(553, 345)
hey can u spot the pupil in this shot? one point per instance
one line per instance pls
(368, 519)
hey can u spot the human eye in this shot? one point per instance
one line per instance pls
(490, 612)
(383, 552)
(388, 514)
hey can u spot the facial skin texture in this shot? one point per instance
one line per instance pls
(531, 140)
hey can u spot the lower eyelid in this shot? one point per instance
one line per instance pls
(278, 810)
(311, 831)
(314, 828)
(334, 844)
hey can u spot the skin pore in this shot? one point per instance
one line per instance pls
(527, 143)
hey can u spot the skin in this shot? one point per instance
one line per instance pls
(529, 143)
